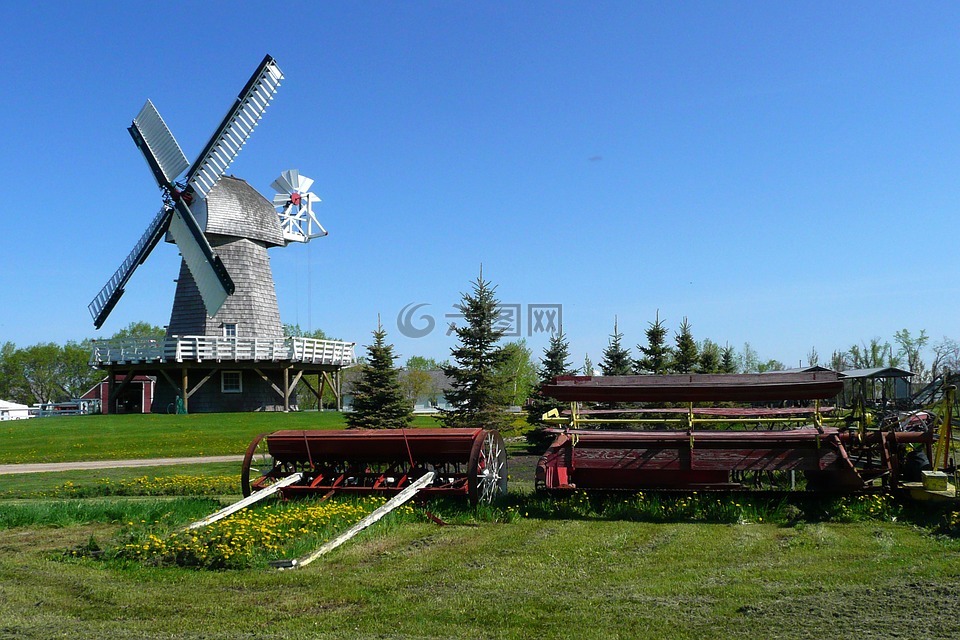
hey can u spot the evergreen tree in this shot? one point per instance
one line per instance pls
(685, 356)
(710, 354)
(379, 401)
(728, 359)
(474, 390)
(556, 362)
(587, 365)
(616, 360)
(656, 355)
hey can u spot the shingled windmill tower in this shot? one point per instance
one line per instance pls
(224, 348)
(240, 225)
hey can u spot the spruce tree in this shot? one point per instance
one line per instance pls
(379, 401)
(616, 360)
(474, 391)
(709, 359)
(728, 359)
(685, 356)
(556, 362)
(656, 355)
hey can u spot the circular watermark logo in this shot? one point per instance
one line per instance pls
(405, 321)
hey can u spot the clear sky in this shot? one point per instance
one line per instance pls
(779, 173)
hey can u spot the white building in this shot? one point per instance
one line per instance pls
(13, 411)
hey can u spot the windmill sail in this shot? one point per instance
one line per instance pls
(167, 162)
(213, 281)
(101, 306)
(163, 146)
(236, 127)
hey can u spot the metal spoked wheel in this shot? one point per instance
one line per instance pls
(487, 476)
(259, 467)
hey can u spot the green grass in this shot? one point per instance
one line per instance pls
(93, 482)
(618, 566)
(66, 513)
(534, 577)
(118, 437)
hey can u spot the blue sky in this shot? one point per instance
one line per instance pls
(779, 173)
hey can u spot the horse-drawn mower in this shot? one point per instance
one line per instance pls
(682, 432)
(465, 462)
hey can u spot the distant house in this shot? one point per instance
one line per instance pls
(133, 395)
(430, 398)
(13, 411)
(879, 385)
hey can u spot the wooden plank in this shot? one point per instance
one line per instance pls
(201, 383)
(270, 382)
(391, 504)
(246, 502)
(696, 387)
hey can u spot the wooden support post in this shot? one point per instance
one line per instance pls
(292, 384)
(201, 383)
(318, 394)
(286, 389)
(111, 392)
(270, 382)
(116, 390)
(324, 381)
(184, 380)
(337, 389)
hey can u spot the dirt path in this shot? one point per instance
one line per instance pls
(7, 469)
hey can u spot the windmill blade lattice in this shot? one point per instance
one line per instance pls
(294, 202)
(161, 144)
(236, 127)
(109, 295)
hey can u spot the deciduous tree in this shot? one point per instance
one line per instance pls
(517, 375)
(417, 381)
(910, 348)
(143, 330)
(946, 357)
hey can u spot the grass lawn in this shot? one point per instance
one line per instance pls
(573, 571)
(118, 437)
(549, 578)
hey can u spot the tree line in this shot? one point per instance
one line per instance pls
(50, 372)
(486, 372)
(486, 375)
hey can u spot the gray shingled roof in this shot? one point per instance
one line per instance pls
(234, 208)
(877, 372)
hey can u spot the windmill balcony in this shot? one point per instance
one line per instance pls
(222, 349)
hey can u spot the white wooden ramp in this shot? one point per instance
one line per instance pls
(246, 502)
(391, 504)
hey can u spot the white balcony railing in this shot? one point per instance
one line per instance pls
(218, 349)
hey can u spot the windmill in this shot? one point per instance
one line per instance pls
(166, 160)
(294, 203)
(225, 322)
